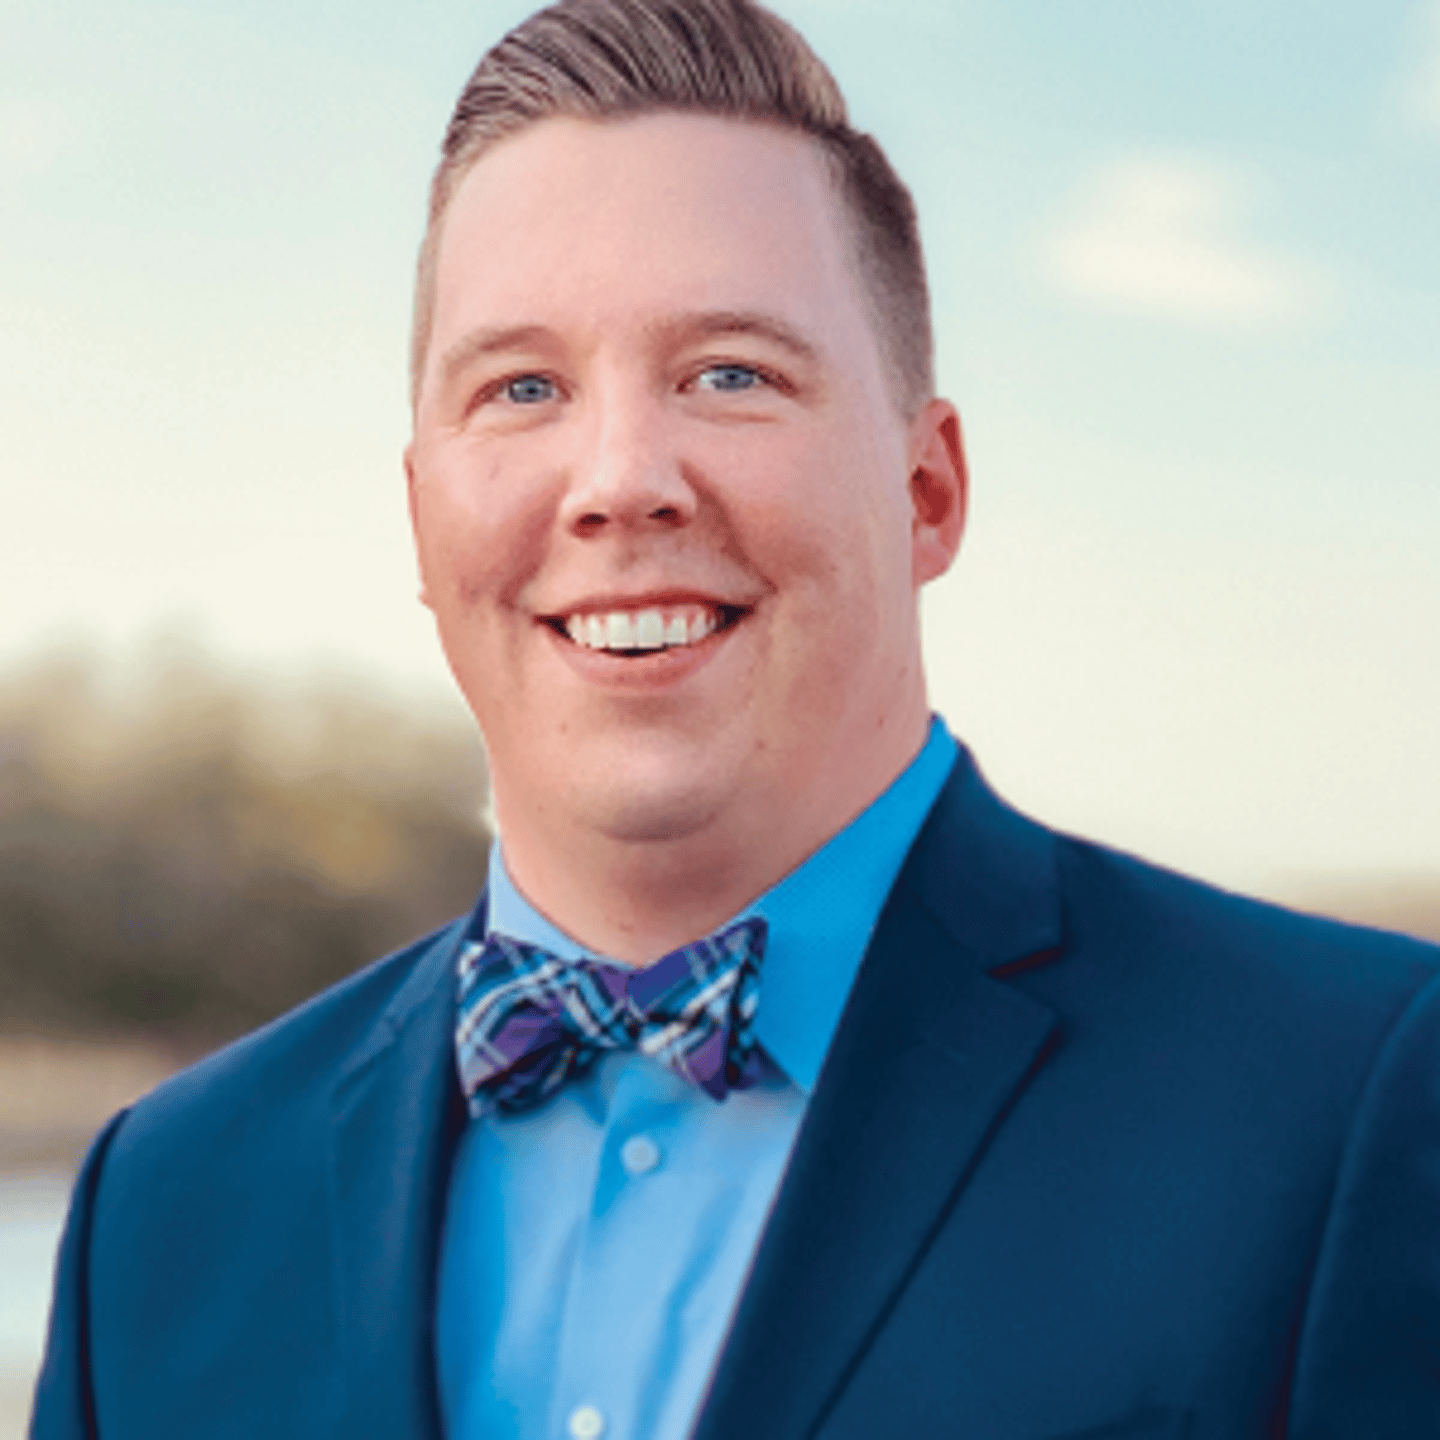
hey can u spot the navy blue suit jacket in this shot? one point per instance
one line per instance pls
(1096, 1152)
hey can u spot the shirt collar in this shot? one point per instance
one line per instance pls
(820, 916)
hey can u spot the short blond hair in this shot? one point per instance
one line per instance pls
(607, 59)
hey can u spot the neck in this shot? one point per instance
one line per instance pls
(636, 900)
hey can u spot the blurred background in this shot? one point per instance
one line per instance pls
(1186, 269)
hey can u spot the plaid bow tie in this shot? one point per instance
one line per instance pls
(529, 1021)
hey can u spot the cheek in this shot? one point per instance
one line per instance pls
(482, 530)
(844, 566)
(835, 535)
(785, 501)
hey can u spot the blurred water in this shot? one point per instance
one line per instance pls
(32, 1210)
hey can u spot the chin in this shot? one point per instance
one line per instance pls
(639, 793)
(651, 780)
(661, 813)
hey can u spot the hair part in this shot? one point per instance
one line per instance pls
(612, 59)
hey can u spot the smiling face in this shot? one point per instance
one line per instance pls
(669, 519)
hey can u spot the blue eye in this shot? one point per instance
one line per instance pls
(529, 390)
(729, 378)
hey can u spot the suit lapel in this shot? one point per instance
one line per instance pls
(397, 1113)
(930, 1055)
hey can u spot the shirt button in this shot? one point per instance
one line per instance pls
(585, 1422)
(638, 1155)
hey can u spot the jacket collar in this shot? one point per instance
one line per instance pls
(931, 1054)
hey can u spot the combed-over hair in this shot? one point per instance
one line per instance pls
(607, 59)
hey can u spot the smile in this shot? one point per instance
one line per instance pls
(644, 630)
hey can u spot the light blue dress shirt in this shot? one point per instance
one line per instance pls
(594, 1248)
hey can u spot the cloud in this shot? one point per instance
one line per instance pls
(31, 133)
(1159, 236)
(1420, 89)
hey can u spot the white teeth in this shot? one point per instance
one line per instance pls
(648, 629)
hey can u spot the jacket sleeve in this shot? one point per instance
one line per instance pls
(1368, 1362)
(64, 1407)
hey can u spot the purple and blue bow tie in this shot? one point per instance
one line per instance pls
(529, 1021)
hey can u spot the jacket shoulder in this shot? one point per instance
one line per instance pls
(1013, 887)
(1177, 921)
(288, 1068)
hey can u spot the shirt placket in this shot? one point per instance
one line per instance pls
(605, 1368)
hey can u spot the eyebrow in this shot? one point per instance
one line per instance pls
(489, 340)
(705, 324)
(678, 330)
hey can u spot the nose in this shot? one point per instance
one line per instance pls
(626, 474)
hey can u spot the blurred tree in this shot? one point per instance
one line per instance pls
(186, 851)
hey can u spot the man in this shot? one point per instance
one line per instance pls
(784, 1082)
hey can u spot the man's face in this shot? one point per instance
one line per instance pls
(666, 510)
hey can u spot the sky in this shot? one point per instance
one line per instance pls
(1185, 262)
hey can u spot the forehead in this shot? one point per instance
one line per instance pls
(599, 220)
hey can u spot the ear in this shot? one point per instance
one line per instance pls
(412, 500)
(939, 488)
